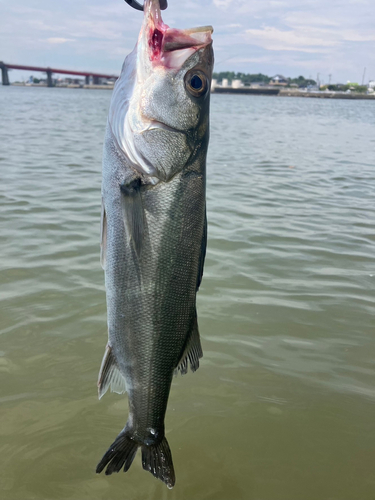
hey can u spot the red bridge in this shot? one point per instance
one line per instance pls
(49, 71)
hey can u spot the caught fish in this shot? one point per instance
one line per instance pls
(154, 231)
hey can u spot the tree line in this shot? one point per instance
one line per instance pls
(248, 78)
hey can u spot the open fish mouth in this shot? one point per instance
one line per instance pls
(170, 46)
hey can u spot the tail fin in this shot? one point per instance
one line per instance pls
(156, 458)
(120, 454)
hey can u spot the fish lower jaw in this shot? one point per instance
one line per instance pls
(156, 125)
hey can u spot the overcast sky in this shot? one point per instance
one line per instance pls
(289, 37)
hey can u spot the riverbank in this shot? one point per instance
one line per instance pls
(326, 95)
(241, 90)
(292, 93)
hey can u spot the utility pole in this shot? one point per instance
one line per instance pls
(317, 80)
(363, 77)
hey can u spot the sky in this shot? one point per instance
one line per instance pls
(288, 37)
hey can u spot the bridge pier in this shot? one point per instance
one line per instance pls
(4, 73)
(96, 80)
(49, 78)
(87, 80)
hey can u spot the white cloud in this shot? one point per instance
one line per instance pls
(268, 36)
(352, 36)
(307, 19)
(263, 59)
(304, 37)
(300, 40)
(223, 3)
(60, 40)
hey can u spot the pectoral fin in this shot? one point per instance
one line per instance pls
(103, 237)
(133, 215)
(202, 256)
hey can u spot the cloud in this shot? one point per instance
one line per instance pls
(263, 59)
(222, 3)
(352, 36)
(300, 40)
(268, 36)
(294, 19)
(305, 36)
(60, 40)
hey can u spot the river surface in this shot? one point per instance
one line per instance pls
(283, 406)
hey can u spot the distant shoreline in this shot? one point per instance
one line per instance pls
(292, 93)
(241, 90)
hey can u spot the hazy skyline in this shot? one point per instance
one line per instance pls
(272, 36)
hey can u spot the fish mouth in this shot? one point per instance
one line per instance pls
(151, 125)
(157, 125)
(170, 46)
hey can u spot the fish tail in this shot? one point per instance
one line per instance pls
(157, 459)
(120, 454)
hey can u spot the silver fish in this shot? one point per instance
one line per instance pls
(154, 230)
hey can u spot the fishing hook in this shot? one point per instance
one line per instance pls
(136, 5)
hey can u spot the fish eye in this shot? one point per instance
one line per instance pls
(196, 83)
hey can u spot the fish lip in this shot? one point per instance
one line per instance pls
(199, 29)
(161, 39)
(155, 125)
(175, 39)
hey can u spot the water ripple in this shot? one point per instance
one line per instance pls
(284, 399)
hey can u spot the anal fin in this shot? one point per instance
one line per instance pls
(192, 352)
(110, 375)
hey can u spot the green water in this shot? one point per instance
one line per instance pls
(283, 405)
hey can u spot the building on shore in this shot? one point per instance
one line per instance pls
(279, 80)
